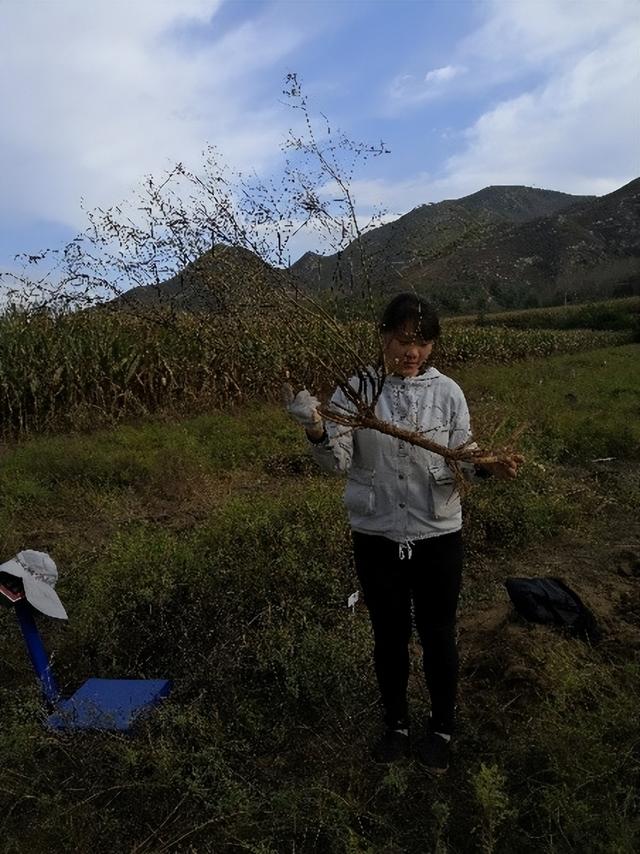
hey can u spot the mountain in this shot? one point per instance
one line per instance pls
(217, 281)
(519, 204)
(504, 245)
(433, 229)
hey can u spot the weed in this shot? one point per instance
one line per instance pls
(441, 815)
(489, 790)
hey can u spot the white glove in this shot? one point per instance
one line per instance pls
(303, 408)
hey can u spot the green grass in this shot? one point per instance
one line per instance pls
(577, 408)
(207, 550)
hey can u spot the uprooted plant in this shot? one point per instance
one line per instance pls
(215, 247)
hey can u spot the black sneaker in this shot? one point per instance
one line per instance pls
(434, 753)
(392, 746)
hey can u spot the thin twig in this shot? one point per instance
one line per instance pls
(155, 832)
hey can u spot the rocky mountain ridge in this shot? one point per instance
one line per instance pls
(502, 246)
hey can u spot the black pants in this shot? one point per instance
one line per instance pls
(430, 579)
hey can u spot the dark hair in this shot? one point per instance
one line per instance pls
(411, 309)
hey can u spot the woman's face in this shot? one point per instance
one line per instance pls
(405, 352)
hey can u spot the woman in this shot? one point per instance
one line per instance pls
(406, 520)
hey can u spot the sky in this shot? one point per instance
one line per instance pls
(464, 93)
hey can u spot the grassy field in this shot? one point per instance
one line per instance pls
(617, 314)
(209, 550)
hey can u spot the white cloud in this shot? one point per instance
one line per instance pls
(577, 133)
(576, 129)
(515, 40)
(391, 197)
(101, 93)
(530, 32)
(442, 75)
(407, 89)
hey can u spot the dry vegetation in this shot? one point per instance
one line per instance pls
(86, 369)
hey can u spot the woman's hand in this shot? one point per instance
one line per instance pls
(504, 469)
(303, 408)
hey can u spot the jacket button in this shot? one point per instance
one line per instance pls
(402, 504)
(401, 476)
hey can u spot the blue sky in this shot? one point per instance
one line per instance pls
(465, 93)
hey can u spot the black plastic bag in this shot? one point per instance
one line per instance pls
(552, 602)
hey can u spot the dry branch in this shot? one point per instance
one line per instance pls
(468, 452)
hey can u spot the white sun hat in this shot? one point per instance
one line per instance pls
(39, 575)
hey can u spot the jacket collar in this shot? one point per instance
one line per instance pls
(427, 375)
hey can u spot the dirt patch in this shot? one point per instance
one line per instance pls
(499, 650)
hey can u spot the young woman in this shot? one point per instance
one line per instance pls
(406, 520)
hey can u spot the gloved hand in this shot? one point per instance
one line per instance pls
(303, 408)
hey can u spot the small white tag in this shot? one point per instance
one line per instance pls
(351, 601)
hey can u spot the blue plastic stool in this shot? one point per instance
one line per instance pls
(99, 704)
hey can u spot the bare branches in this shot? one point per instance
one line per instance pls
(469, 452)
(214, 247)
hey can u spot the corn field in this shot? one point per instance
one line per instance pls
(505, 345)
(616, 314)
(85, 369)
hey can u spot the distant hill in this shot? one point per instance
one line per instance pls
(502, 246)
(518, 204)
(224, 277)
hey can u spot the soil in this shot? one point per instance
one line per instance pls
(602, 565)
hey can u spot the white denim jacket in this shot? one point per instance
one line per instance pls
(395, 489)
